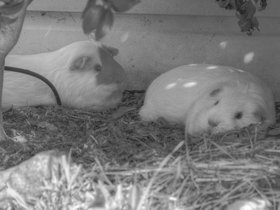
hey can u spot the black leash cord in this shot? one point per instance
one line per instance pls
(45, 80)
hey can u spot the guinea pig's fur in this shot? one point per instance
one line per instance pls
(226, 108)
(208, 98)
(84, 73)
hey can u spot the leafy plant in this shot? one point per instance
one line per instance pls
(245, 11)
(98, 15)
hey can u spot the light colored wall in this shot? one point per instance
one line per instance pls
(158, 35)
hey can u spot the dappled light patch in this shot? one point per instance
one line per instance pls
(211, 67)
(223, 44)
(170, 86)
(248, 57)
(185, 85)
(190, 84)
(240, 70)
(125, 37)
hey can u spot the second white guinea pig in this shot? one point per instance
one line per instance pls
(208, 98)
(84, 73)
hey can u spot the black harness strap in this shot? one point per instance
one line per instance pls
(45, 80)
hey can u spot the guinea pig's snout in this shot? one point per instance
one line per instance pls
(112, 72)
(259, 116)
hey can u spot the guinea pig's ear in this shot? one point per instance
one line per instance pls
(113, 51)
(81, 63)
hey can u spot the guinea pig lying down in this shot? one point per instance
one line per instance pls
(208, 98)
(84, 73)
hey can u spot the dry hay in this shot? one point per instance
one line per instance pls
(149, 161)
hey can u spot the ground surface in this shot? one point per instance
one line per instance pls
(216, 170)
(114, 136)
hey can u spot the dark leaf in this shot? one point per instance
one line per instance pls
(245, 13)
(123, 5)
(227, 4)
(263, 5)
(245, 25)
(248, 25)
(105, 24)
(255, 23)
(5, 20)
(248, 10)
(11, 7)
(90, 3)
(92, 16)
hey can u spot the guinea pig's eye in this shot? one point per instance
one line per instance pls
(216, 103)
(215, 92)
(97, 67)
(238, 115)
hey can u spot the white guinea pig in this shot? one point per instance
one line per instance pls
(84, 74)
(209, 98)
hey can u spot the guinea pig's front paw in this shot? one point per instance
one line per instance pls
(197, 127)
(146, 113)
(220, 129)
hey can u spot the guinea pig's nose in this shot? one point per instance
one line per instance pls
(259, 115)
(213, 123)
